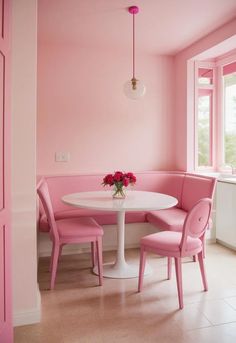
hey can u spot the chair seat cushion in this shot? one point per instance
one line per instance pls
(101, 217)
(78, 227)
(171, 219)
(169, 241)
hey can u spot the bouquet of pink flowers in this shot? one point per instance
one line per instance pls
(119, 180)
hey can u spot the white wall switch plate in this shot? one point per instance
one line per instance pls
(62, 156)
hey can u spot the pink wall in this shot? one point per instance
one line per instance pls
(82, 110)
(215, 44)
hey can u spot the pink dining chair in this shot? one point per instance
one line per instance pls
(179, 244)
(69, 231)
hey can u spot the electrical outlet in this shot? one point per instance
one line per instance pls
(62, 156)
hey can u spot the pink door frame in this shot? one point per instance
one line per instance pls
(6, 329)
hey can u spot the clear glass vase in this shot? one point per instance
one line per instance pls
(119, 192)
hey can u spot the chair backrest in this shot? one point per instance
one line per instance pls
(196, 221)
(196, 187)
(43, 193)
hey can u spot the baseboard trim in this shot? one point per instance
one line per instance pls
(28, 317)
(210, 240)
(229, 246)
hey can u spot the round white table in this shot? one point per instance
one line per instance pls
(134, 201)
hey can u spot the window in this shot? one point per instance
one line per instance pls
(215, 114)
(204, 116)
(229, 105)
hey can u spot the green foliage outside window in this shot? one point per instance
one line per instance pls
(230, 119)
(203, 142)
(230, 137)
(203, 131)
(230, 149)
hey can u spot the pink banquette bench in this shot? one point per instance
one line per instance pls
(187, 188)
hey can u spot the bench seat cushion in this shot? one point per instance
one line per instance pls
(170, 219)
(101, 217)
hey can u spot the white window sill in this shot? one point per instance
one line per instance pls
(222, 177)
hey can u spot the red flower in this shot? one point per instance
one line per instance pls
(108, 180)
(131, 177)
(118, 176)
(119, 179)
(125, 181)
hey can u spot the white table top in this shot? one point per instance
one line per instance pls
(134, 201)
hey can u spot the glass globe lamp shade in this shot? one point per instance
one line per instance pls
(134, 89)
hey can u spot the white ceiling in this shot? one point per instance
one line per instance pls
(162, 26)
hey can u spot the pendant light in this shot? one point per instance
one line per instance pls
(134, 88)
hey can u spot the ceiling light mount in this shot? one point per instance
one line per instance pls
(133, 9)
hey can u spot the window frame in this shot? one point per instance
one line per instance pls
(220, 63)
(211, 88)
(217, 152)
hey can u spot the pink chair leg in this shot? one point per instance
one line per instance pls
(178, 270)
(93, 254)
(141, 268)
(99, 259)
(203, 273)
(169, 267)
(55, 257)
(60, 252)
(194, 258)
(204, 248)
(51, 259)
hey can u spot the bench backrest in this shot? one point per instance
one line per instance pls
(162, 182)
(187, 188)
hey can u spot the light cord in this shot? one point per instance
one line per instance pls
(133, 46)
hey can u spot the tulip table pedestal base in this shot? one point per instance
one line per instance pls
(124, 271)
(121, 269)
